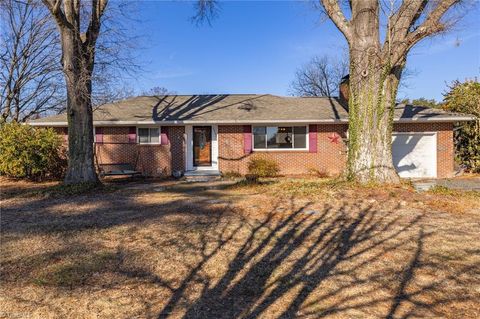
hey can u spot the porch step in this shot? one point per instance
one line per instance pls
(202, 175)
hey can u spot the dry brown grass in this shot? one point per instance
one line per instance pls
(10, 187)
(285, 248)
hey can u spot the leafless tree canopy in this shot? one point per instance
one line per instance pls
(31, 81)
(117, 54)
(401, 23)
(158, 90)
(319, 77)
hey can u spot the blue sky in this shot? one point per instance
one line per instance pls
(255, 47)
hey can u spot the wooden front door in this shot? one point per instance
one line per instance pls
(202, 145)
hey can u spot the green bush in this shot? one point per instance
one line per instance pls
(465, 98)
(262, 167)
(27, 152)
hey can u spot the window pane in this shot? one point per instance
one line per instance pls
(300, 136)
(272, 137)
(279, 137)
(259, 137)
(284, 137)
(259, 130)
(143, 135)
(154, 135)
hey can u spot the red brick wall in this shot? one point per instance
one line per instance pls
(152, 160)
(329, 158)
(157, 160)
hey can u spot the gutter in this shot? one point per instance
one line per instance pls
(187, 122)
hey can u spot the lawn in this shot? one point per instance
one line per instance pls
(286, 248)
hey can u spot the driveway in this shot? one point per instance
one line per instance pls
(460, 183)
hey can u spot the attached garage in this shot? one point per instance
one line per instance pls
(415, 154)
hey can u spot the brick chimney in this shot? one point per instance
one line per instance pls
(344, 90)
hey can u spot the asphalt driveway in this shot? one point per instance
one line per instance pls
(459, 183)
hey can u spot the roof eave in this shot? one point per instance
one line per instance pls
(187, 122)
(439, 119)
(326, 121)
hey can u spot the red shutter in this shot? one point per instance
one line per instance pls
(312, 138)
(164, 136)
(247, 139)
(99, 134)
(132, 134)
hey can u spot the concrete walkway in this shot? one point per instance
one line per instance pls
(460, 183)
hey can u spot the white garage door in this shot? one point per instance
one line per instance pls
(415, 154)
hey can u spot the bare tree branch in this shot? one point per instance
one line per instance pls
(319, 77)
(400, 22)
(55, 8)
(205, 11)
(30, 75)
(332, 8)
(432, 24)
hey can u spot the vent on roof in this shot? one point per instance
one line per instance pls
(247, 106)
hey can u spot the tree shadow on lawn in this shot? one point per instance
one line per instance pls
(323, 265)
(93, 211)
(348, 260)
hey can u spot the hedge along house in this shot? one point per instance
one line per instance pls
(209, 134)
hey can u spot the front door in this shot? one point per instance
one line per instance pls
(202, 146)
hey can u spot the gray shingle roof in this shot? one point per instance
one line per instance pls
(237, 108)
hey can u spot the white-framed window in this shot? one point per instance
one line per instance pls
(148, 135)
(282, 137)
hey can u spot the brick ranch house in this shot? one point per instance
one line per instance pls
(221, 133)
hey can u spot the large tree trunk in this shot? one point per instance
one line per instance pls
(78, 55)
(375, 71)
(371, 106)
(373, 86)
(77, 69)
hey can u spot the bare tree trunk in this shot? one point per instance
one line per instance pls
(375, 72)
(370, 115)
(77, 66)
(371, 106)
(78, 57)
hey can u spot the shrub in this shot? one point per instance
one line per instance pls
(27, 152)
(465, 98)
(262, 167)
